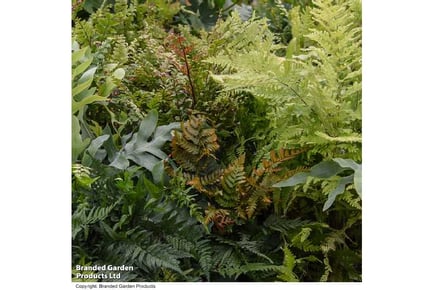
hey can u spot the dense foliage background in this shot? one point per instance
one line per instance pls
(217, 140)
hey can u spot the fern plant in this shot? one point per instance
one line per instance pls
(129, 220)
(232, 191)
(328, 169)
(314, 93)
(194, 200)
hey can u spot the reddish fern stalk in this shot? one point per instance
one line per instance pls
(177, 45)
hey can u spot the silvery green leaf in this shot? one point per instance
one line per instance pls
(325, 169)
(293, 180)
(120, 161)
(347, 163)
(340, 188)
(119, 73)
(358, 181)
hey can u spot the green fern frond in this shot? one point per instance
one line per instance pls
(181, 244)
(233, 175)
(284, 225)
(149, 258)
(252, 247)
(344, 139)
(317, 87)
(181, 196)
(255, 267)
(349, 198)
(204, 252)
(158, 256)
(253, 202)
(286, 272)
(327, 269)
(227, 262)
(83, 217)
(212, 178)
(302, 242)
(332, 241)
(227, 200)
(120, 51)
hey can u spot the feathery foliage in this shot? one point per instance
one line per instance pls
(314, 91)
(225, 154)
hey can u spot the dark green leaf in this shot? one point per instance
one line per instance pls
(219, 3)
(109, 145)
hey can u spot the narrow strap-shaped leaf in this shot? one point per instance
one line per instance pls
(81, 87)
(81, 68)
(298, 178)
(76, 106)
(326, 169)
(87, 75)
(358, 181)
(77, 55)
(338, 190)
(347, 163)
(78, 144)
(147, 127)
(96, 144)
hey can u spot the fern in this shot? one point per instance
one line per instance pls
(252, 247)
(226, 261)
(255, 267)
(220, 217)
(203, 253)
(82, 218)
(75, 272)
(289, 262)
(151, 257)
(120, 51)
(232, 188)
(316, 89)
(302, 242)
(234, 175)
(284, 225)
(82, 176)
(349, 198)
(200, 250)
(242, 257)
(194, 148)
(181, 196)
(327, 270)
